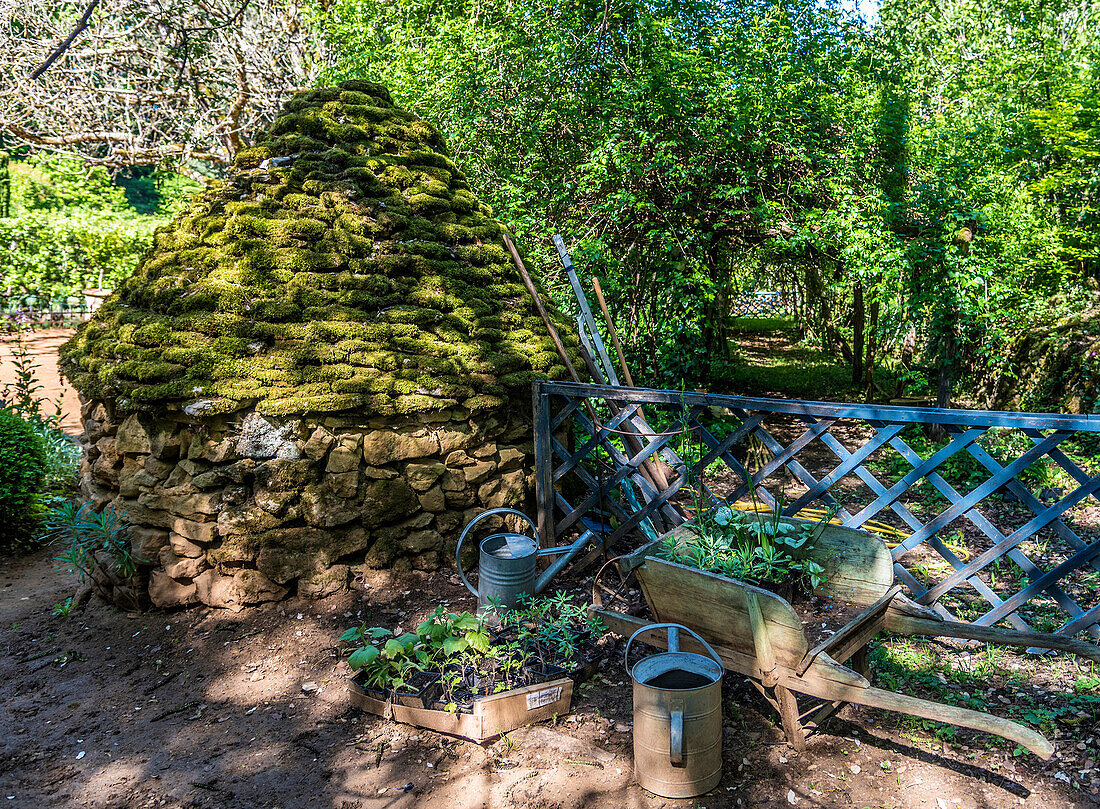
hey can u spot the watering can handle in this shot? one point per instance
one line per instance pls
(626, 652)
(676, 734)
(491, 512)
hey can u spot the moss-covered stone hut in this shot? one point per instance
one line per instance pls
(323, 363)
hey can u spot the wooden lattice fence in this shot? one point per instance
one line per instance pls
(1021, 544)
(758, 304)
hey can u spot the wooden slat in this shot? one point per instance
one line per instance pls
(708, 604)
(888, 423)
(904, 415)
(1021, 534)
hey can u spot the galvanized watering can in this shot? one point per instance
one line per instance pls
(507, 563)
(677, 718)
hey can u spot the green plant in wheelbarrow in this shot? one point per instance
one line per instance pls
(766, 551)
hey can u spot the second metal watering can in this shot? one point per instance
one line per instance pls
(507, 562)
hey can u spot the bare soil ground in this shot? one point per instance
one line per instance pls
(204, 708)
(42, 346)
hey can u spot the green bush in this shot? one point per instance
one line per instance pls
(22, 471)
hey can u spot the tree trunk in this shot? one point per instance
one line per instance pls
(869, 365)
(858, 326)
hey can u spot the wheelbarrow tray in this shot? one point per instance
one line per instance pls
(757, 633)
(491, 716)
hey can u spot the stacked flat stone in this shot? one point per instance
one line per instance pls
(325, 362)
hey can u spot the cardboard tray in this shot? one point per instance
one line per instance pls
(491, 716)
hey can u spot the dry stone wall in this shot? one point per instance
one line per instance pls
(238, 509)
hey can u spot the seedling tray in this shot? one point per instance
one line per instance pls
(491, 716)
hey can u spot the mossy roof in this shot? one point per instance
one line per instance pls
(344, 265)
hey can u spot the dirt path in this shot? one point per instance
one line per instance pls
(43, 346)
(206, 709)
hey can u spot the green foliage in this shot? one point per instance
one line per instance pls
(551, 628)
(735, 544)
(92, 540)
(931, 178)
(60, 453)
(22, 471)
(71, 227)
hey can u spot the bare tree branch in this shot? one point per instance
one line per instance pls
(64, 46)
(151, 80)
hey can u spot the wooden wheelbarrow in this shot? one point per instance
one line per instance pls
(758, 634)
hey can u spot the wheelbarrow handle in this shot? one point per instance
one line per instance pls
(493, 512)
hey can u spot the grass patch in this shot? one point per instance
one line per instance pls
(761, 325)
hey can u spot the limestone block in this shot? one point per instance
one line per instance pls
(235, 495)
(456, 435)
(458, 458)
(325, 583)
(263, 438)
(281, 475)
(463, 498)
(423, 541)
(421, 475)
(379, 473)
(183, 501)
(132, 466)
(506, 490)
(419, 520)
(236, 590)
(137, 514)
(448, 523)
(342, 459)
(233, 550)
(181, 567)
(323, 507)
(387, 500)
(288, 553)
(511, 458)
(176, 478)
(132, 436)
(182, 546)
(485, 451)
(320, 441)
(165, 592)
(218, 452)
(166, 443)
(387, 445)
(249, 519)
(385, 549)
(433, 500)
(274, 502)
(479, 471)
(145, 543)
(210, 479)
(192, 467)
(452, 481)
(343, 484)
(197, 531)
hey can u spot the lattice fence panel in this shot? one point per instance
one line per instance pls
(996, 521)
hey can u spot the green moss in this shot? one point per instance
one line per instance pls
(344, 265)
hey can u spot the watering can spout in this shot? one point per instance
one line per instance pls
(567, 552)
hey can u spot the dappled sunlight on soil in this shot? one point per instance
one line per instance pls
(207, 709)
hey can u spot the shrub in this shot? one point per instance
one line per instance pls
(22, 472)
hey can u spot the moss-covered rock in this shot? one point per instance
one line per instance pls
(344, 265)
(1051, 368)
